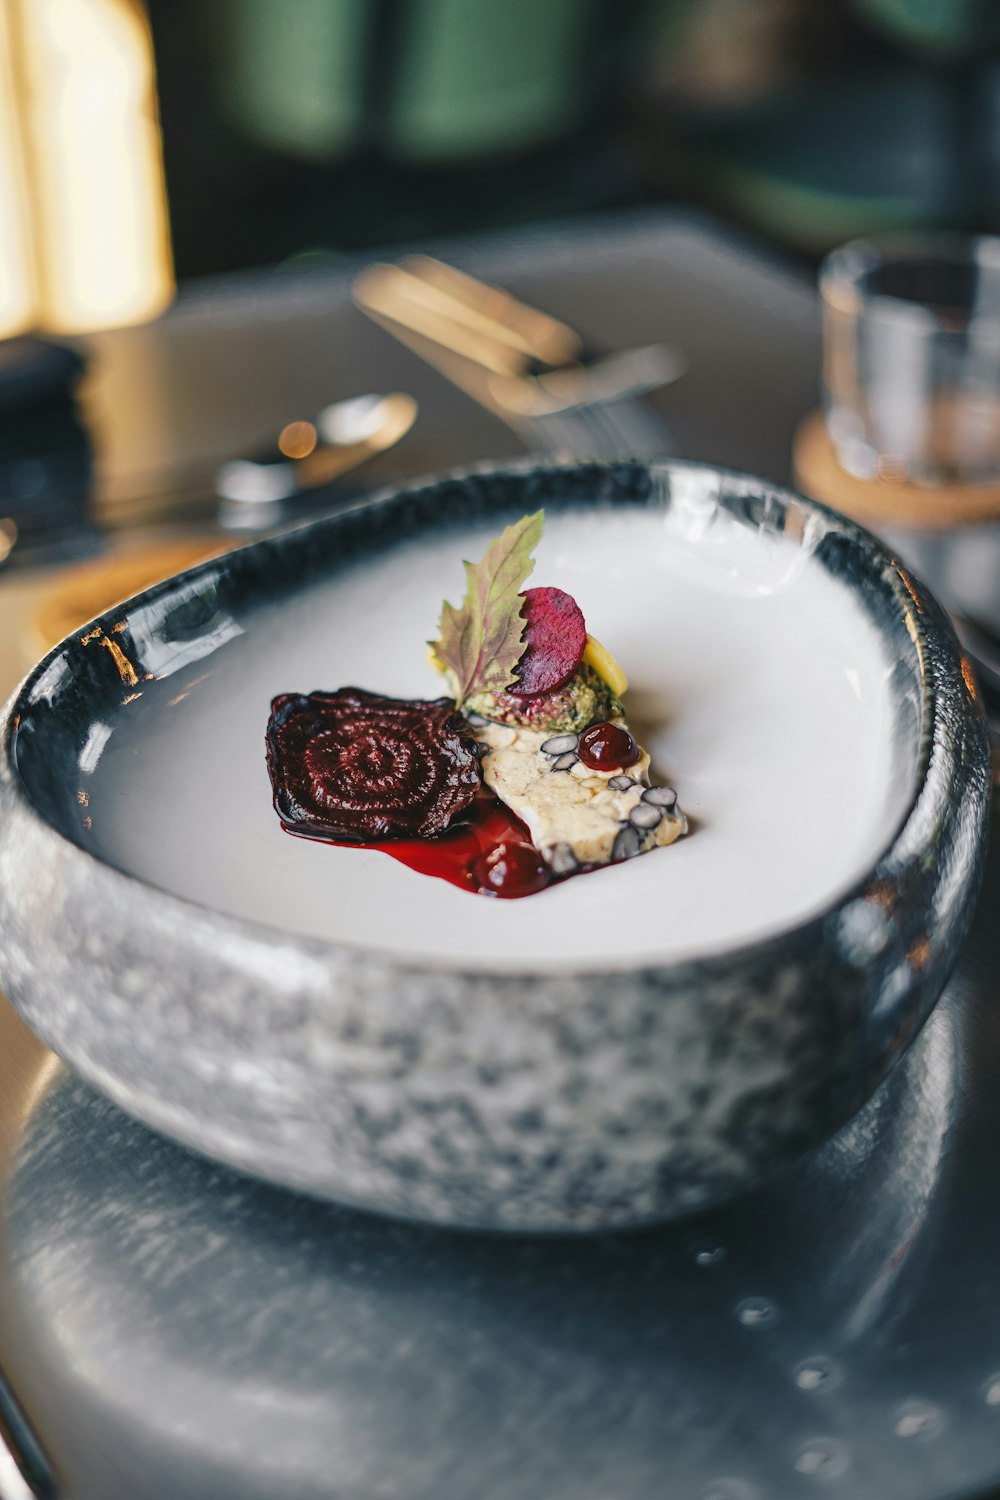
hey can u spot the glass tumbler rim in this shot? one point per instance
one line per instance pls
(843, 274)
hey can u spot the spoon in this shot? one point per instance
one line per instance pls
(246, 495)
(253, 493)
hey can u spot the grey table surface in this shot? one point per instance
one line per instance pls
(172, 1329)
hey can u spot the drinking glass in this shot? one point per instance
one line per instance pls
(911, 357)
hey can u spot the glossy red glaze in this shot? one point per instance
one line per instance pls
(607, 747)
(510, 870)
(491, 853)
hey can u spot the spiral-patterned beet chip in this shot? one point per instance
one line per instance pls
(353, 765)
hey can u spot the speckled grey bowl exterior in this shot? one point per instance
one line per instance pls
(517, 1101)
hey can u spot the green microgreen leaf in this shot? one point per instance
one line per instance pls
(480, 643)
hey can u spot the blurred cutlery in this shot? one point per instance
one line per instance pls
(246, 494)
(257, 493)
(526, 367)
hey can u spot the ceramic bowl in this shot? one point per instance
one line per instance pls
(622, 1048)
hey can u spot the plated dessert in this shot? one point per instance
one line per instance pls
(630, 1047)
(527, 773)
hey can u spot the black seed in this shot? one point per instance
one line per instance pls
(621, 783)
(560, 743)
(645, 815)
(565, 762)
(626, 844)
(562, 859)
(660, 796)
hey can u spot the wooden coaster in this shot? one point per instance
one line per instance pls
(883, 502)
(81, 592)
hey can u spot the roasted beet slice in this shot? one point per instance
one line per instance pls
(555, 636)
(353, 765)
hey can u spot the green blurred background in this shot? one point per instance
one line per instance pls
(308, 127)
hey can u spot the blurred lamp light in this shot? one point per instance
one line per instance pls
(86, 104)
(18, 290)
(297, 439)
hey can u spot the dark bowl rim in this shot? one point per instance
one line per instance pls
(934, 762)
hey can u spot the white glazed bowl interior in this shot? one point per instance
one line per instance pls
(760, 685)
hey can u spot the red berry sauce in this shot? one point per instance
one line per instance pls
(351, 767)
(607, 747)
(513, 868)
(490, 854)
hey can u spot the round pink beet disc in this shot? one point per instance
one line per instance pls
(555, 636)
